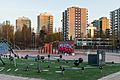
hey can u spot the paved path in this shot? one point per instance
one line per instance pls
(109, 56)
(115, 76)
(8, 77)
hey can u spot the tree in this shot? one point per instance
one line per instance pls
(26, 36)
(54, 37)
(23, 38)
(40, 38)
(49, 38)
(18, 38)
(7, 32)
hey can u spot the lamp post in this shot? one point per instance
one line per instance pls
(82, 40)
(99, 38)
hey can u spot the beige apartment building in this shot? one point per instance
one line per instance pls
(45, 22)
(74, 23)
(91, 31)
(21, 21)
(104, 24)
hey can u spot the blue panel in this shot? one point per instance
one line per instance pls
(4, 47)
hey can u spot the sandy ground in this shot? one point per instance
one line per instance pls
(9, 77)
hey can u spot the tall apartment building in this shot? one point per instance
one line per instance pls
(115, 26)
(7, 22)
(104, 24)
(96, 23)
(45, 22)
(74, 23)
(21, 21)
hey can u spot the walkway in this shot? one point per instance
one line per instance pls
(8, 77)
(115, 76)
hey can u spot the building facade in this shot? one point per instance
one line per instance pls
(91, 31)
(95, 43)
(7, 22)
(103, 26)
(21, 22)
(45, 22)
(96, 23)
(115, 26)
(74, 23)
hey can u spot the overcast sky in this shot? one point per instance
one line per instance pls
(12, 9)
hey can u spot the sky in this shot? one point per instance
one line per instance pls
(12, 9)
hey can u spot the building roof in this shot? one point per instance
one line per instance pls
(23, 18)
(46, 14)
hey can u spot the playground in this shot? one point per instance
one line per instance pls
(53, 66)
(55, 69)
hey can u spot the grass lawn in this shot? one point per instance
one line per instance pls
(87, 74)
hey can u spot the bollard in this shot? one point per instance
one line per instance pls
(63, 69)
(100, 67)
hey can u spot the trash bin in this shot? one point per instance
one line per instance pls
(97, 59)
(92, 59)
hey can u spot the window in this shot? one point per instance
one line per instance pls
(78, 14)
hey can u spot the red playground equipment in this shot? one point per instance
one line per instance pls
(66, 46)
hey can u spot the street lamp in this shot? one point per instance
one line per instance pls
(99, 38)
(82, 40)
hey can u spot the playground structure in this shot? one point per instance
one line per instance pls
(48, 48)
(61, 47)
(5, 49)
(66, 47)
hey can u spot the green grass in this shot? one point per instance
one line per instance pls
(91, 74)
